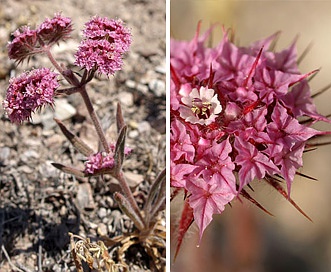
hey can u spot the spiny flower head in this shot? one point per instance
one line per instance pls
(101, 161)
(103, 45)
(24, 45)
(30, 92)
(53, 30)
(98, 162)
(234, 118)
(28, 42)
(112, 30)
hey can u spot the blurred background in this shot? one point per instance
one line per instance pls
(244, 238)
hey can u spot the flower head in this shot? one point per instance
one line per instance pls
(30, 92)
(98, 162)
(102, 161)
(112, 30)
(105, 41)
(24, 45)
(28, 42)
(100, 55)
(54, 30)
(244, 126)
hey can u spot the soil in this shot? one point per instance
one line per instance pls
(39, 205)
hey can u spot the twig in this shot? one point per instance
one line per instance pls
(14, 267)
(40, 247)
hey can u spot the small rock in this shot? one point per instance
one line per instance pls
(4, 154)
(63, 210)
(130, 84)
(4, 66)
(157, 87)
(147, 51)
(25, 169)
(85, 197)
(47, 170)
(126, 98)
(28, 155)
(102, 212)
(161, 69)
(116, 220)
(148, 77)
(102, 229)
(63, 110)
(109, 201)
(133, 134)
(133, 179)
(142, 88)
(144, 126)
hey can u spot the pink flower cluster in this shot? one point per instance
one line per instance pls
(235, 118)
(97, 163)
(105, 41)
(28, 42)
(53, 30)
(30, 92)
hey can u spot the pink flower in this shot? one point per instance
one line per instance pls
(105, 41)
(98, 162)
(182, 147)
(101, 161)
(53, 30)
(112, 30)
(207, 198)
(24, 45)
(99, 55)
(235, 118)
(200, 106)
(30, 92)
(178, 174)
(28, 42)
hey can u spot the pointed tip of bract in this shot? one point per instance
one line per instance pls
(185, 222)
(275, 184)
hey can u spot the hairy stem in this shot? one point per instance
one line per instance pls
(128, 194)
(67, 74)
(94, 118)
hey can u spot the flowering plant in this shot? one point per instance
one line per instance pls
(104, 43)
(237, 114)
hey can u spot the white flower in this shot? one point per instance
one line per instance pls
(200, 106)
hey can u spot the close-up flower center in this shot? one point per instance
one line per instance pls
(201, 109)
(200, 106)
